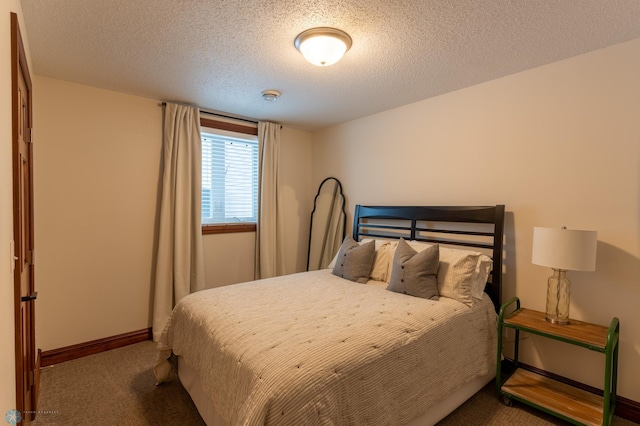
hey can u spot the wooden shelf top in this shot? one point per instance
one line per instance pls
(577, 331)
(560, 398)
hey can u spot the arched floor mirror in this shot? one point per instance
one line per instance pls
(328, 223)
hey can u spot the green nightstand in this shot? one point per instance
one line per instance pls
(569, 403)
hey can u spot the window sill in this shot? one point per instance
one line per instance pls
(228, 228)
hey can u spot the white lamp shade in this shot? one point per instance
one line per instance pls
(567, 249)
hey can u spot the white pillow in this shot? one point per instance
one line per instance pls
(383, 259)
(332, 264)
(483, 268)
(459, 272)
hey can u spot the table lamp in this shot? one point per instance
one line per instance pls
(562, 250)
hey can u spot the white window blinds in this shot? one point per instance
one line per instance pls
(229, 179)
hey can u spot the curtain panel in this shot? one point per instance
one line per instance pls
(269, 230)
(179, 254)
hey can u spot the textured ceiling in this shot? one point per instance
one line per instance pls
(220, 54)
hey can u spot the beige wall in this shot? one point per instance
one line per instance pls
(7, 334)
(559, 145)
(97, 165)
(97, 159)
(229, 258)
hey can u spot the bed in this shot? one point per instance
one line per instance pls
(315, 348)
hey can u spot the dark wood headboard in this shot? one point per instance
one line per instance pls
(477, 227)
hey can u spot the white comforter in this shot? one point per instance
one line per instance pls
(315, 349)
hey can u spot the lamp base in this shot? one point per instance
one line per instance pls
(558, 321)
(558, 291)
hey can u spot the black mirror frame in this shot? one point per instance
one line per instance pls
(344, 214)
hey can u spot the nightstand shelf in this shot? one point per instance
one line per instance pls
(560, 399)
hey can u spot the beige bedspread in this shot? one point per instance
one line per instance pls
(315, 349)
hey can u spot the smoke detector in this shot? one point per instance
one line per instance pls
(270, 95)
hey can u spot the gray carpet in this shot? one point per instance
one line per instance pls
(118, 388)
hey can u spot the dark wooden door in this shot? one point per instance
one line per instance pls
(24, 279)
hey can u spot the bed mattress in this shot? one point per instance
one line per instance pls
(313, 348)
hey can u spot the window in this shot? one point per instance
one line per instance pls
(229, 179)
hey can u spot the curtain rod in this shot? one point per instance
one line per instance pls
(211, 112)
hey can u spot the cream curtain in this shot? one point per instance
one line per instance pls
(269, 231)
(179, 259)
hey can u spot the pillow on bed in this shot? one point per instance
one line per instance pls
(382, 259)
(457, 272)
(414, 272)
(483, 269)
(354, 260)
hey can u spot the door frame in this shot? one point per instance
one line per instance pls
(19, 66)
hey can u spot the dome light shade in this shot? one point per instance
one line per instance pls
(322, 46)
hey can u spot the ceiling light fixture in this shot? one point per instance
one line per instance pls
(270, 95)
(322, 46)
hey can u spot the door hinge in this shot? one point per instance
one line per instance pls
(30, 135)
(31, 257)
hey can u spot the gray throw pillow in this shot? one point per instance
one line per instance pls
(415, 273)
(355, 260)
